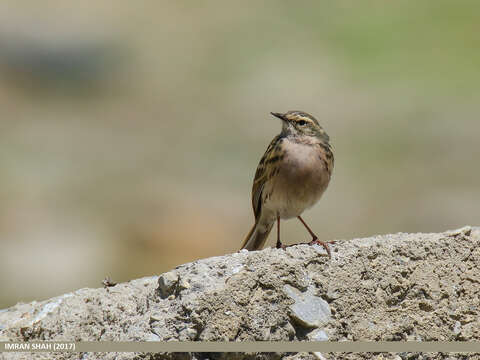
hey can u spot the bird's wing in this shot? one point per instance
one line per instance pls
(265, 170)
(326, 155)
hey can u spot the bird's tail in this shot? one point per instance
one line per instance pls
(257, 236)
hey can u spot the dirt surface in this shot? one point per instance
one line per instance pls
(422, 287)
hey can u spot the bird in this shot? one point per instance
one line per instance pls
(291, 177)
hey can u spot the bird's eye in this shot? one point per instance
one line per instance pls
(302, 122)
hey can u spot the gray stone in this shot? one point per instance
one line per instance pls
(457, 328)
(309, 310)
(317, 335)
(167, 283)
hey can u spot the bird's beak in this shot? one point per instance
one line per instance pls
(279, 115)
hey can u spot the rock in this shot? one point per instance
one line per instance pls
(317, 335)
(308, 310)
(396, 287)
(457, 328)
(167, 283)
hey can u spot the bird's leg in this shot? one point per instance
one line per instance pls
(279, 244)
(315, 240)
(314, 237)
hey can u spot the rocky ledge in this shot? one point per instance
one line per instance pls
(421, 287)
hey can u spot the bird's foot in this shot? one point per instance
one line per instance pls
(315, 241)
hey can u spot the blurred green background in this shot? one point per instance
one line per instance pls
(130, 131)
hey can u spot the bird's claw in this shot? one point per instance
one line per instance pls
(315, 241)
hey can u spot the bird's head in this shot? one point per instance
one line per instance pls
(299, 123)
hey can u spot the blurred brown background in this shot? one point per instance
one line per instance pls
(130, 131)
